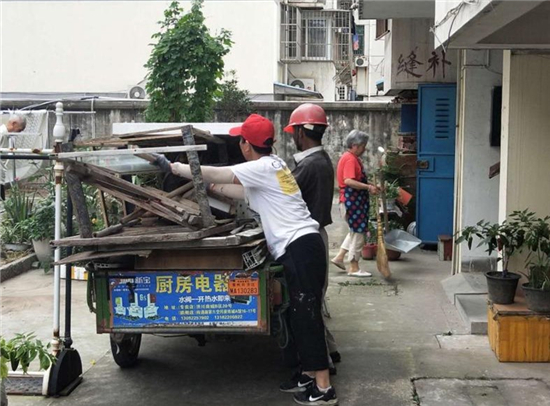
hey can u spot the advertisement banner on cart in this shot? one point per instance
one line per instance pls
(151, 299)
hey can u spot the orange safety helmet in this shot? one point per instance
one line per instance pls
(306, 113)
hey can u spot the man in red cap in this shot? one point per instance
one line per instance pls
(293, 239)
(314, 174)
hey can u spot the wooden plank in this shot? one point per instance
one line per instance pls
(79, 202)
(103, 207)
(140, 212)
(212, 128)
(115, 229)
(144, 205)
(132, 151)
(200, 191)
(210, 242)
(110, 180)
(151, 131)
(91, 255)
(140, 239)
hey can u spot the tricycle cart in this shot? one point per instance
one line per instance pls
(182, 262)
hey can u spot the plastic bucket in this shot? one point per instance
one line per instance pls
(404, 197)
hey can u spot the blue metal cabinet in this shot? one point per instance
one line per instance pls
(436, 159)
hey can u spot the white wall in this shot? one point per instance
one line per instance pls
(101, 46)
(321, 72)
(448, 22)
(477, 195)
(525, 164)
(471, 24)
(525, 150)
(366, 78)
(413, 36)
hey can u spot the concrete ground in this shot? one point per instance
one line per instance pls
(402, 343)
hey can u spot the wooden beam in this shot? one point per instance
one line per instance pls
(103, 207)
(200, 191)
(74, 186)
(100, 175)
(91, 255)
(141, 239)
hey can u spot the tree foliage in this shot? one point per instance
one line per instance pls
(184, 67)
(233, 104)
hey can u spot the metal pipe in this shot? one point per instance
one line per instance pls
(132, 151)
(68, 341)
(36, 151)
(27, 157)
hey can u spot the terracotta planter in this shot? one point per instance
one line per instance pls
(369, 251)
(393, 255)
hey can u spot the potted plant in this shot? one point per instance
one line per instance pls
(537, 289)
(369, 249)
(507, 238)
(41, 228)
(13, 230)
(21, 351)
(393, 255)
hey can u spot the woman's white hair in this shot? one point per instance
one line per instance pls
(356, 137)
(20, 119)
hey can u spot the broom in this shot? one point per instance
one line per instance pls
(381, 255)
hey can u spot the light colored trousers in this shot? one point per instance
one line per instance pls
(354, 242)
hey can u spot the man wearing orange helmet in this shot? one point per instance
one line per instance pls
(314, 174)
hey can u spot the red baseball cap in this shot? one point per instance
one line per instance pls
(256, 130)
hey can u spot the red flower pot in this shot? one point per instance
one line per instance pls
(369, 251)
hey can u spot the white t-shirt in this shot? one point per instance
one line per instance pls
(272, 192)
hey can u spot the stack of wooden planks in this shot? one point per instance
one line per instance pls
(179, 218)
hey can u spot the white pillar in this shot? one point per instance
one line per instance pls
(59, 136)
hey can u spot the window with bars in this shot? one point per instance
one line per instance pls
(314, 35)
(360, 30)
(291, 34)
(315, 31)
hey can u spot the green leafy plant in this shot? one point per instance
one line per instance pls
(21, 351)
(537, 240)
(232, 104)
(18, 208)
(371, 237)
(508, 237)
(184, 67)
(40, 224)
(392, 190)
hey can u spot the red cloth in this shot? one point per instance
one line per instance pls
(349, 167)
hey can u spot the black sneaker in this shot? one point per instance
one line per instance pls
(298, 383)
(335, 356)
(313, 396)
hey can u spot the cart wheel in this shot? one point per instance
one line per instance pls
(125, 349)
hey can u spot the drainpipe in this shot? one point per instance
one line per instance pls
(368, 64)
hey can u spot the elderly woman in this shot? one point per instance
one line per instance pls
(354, 202)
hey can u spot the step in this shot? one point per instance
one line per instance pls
(473, 310)
(464, 283)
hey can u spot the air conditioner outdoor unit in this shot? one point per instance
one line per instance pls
(361, 62)
(303, 83)
(341, 93)
(137, 92)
